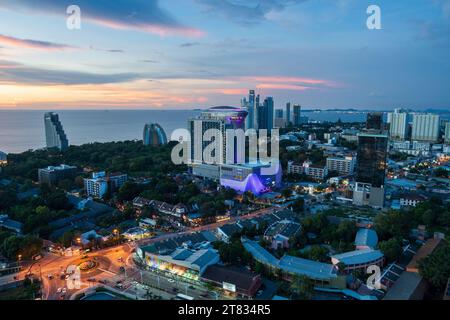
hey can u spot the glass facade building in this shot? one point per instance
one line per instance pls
(372, 159)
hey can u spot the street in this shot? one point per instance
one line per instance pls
(115, 265)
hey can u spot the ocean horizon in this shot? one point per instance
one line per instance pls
(22, 130)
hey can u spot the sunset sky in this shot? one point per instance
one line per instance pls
(182, 54)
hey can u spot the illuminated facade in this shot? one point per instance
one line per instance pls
(186, 263)
(3, 159)
(249, 177)
(154, 135)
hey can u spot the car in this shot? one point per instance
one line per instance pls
(119, 286)
(175, 290)
(204, 295)
(103, 281)
(62, 277)
(64, 290)
(171, 280)
(91, 280)
(59, 290)
(67, 277)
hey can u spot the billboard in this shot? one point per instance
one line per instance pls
(229, 287)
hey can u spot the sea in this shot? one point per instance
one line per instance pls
(22, 130)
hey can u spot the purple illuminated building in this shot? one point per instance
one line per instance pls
(249, 177)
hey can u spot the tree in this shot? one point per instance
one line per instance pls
(391, 248)
(436, 268)
(67, 239)
(299, 205)
(128, 191)
(393, 224)
(27, 247)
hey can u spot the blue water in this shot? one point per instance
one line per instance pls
(24, 130)
(100, 296)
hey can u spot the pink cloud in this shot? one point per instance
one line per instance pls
(161, 30)
(282, 86)
(232, 92)
(283, 79)
(33, 44)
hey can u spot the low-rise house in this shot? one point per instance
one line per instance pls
(226, 232)
(411, 199)
(147, 223)
(87, 237)
(281, 232)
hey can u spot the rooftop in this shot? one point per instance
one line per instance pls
(366, 237)
(405, 287)
(298, 266)
(427, 249)
(357, 257)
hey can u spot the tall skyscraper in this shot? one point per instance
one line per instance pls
(374, 121)
(398, 121)
(154, 135)
(279, 113)
(426, 127)
(266, 114)
(251, 106)
(297, 115)
(288, 113)
(447, 133)
(220, 118)
(54, 132)
(371, 169)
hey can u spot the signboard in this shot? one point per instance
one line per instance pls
(229, 287)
